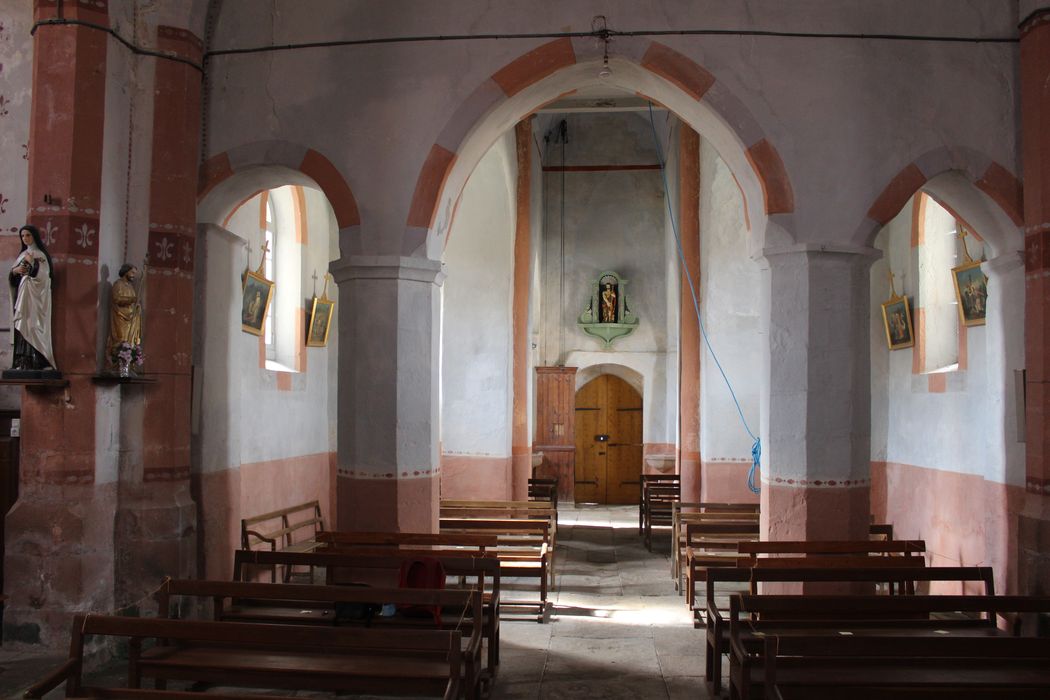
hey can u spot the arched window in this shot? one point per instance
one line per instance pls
(269, 236)
(938, 241)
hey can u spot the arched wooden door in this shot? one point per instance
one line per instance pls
(608, 441)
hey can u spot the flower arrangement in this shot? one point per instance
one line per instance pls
(126, 354)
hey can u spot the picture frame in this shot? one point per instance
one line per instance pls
(321, 313)
(971, 293)
(256, 296)
(896, 321)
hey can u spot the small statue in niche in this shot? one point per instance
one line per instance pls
(30, 281)
(607, 307)
(123, 346)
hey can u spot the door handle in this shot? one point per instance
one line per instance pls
(601, 454)
(601, 438)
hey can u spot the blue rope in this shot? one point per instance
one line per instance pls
(756, 447)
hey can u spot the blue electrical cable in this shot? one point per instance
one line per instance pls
(756, 447)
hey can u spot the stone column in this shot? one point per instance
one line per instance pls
(816, 422)
(689, 333)
(521, 450)
(156, 517)
(387, 477)
(59, 554)
(1035, 154)
(1034, 525)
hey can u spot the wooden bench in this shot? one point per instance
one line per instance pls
(267, 603)
(684, 513)
(658, 499)
(715, 620)
(511, 510)
(753, 617)
(520, 554)
(291, 657)
(342, 566)
(646, 480)
(544, 490)
(834, 667)
(751, 552)
(525, 549)
(711, 545)
(292, 529)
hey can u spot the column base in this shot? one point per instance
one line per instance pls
(155, 536)
(792, 512)
(59, 558)
(388, 504)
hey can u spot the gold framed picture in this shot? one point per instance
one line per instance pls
(971, 292)
(320, 322)
(256, 295)
(896, 319)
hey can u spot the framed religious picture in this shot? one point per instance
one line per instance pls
(971, 292)
(896, 319)
(320, 322)
(256, 295)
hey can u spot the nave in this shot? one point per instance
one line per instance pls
(615, 626)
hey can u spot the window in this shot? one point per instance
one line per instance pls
(269, 330)
(937, 254)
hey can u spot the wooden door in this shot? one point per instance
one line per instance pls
(608, 441)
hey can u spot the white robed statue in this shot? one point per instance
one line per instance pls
(30, 280)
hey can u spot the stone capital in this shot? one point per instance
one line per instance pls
(387, 267)
(1005, 263)
(849, 253)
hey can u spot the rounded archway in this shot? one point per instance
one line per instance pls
(669, 80)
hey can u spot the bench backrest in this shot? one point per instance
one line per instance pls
(898, 577)
(479, 541)
(458, 599)
(906, 547)
(280, 528)
(472, 565)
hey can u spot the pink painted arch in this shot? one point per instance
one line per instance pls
(985, 195)
(639, 66)
(229, 178)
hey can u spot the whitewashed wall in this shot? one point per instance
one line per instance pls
(730, 307)
(245, 418)
(612, 220)
(958, 430)
(476, 372)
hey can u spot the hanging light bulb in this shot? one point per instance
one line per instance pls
(600, 27)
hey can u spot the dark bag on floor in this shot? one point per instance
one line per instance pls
(422, 573)
(347, 612)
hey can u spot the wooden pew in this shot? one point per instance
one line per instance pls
(292, 529)
(711, 545)
(827, 667)
(346, 565)
(644, 481)
(753, 617)
(684, 513)
(715, 620)
(658, 499)
(525, 550)
(518, 555)
(387, 661)
(544, 490)
(528, 510)
(246, 602)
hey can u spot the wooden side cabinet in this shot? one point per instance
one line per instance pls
(555, 427)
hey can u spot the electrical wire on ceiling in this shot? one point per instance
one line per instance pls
(605, 33)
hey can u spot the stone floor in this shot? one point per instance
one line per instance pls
(616, 627)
